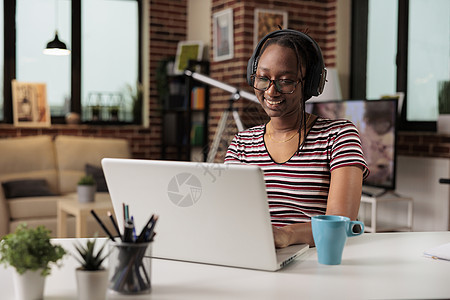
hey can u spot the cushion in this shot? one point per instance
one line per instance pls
(97, 173)
(26, 188)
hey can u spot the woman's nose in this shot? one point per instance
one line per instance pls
(271, 90)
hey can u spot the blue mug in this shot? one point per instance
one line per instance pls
(330, 234)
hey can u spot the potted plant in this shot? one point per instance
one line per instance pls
(92, 277)
(31, 253)
(86, 189)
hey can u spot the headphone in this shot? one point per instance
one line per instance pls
(314, 83)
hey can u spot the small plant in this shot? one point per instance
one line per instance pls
(30, 249)
(86, 180)
(90, 259)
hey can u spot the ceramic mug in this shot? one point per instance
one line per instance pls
(330, 234)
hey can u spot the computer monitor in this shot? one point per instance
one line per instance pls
(376, 121)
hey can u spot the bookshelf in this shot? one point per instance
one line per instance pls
(185, 117)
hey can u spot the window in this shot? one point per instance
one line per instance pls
(36, 22)
(105, 54)
(110, 61)
(402, 46)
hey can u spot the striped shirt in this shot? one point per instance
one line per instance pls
(298, 189)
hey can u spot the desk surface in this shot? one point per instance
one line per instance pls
(374, 266)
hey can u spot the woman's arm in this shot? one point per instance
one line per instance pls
(344, 198)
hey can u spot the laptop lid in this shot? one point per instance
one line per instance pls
(208, 213)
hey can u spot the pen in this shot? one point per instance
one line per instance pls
(134, 229)
(150, 234)
(142, 235)
(115, 224)
(102, 225)
(127, 216)
(128, 232)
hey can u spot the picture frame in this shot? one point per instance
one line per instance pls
(266, 21)
(223, 35)
(187, 50)
(30, 107)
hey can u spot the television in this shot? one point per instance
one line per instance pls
(376, 121)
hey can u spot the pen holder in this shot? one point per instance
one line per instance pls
(130, 268)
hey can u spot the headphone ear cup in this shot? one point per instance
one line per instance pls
(251, 69)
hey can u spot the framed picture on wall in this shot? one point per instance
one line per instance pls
(266, 21)
(30, 107)
(187, 50)
(223, 35)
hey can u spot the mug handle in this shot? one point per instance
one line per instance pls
(350, 228)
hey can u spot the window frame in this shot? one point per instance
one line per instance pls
(9, 72)
(359, 31)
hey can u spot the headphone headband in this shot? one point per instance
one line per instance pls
(314, 82)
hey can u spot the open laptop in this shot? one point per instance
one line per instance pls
(208, 213)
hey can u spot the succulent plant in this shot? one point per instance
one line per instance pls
(86, 180)
(90, 258)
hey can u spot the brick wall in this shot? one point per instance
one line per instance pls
(318, 17)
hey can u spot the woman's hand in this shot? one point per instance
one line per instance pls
(281, 236)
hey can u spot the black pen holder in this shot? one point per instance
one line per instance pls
(130, 268)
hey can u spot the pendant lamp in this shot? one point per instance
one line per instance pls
(56, 47)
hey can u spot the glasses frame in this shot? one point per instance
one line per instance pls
(274, 81)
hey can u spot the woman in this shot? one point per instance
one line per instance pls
(311, 165)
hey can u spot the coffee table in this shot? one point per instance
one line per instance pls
(81, 211)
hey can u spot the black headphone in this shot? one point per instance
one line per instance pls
(314, 83)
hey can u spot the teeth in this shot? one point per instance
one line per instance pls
(274, 102)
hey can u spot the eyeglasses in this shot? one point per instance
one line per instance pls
(283, 86)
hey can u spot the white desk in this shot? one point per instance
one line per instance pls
(374, 266)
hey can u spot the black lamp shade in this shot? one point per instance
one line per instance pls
(56, 47)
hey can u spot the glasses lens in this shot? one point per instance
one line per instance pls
(285, 86)
(261, 83)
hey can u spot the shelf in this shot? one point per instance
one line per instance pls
(185, 126)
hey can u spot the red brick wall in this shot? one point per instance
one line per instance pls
(318, 17)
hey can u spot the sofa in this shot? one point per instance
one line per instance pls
(38, 171)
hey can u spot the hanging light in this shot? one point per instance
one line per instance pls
(56, 47)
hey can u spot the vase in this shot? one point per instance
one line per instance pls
(91, 284)
(29, 285)
(86, 193)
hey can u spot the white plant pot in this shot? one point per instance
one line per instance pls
(443, 124)
(29, 285)
(92, 284)
(86, 193)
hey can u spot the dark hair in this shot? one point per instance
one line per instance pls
(304, 50)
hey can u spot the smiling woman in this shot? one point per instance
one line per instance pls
(312, 166)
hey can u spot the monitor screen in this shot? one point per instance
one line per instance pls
(376, 121)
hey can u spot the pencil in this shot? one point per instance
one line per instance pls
(102, 225)
(115, 224)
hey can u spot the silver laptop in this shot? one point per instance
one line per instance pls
(208, 213)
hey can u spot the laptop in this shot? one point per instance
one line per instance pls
(208, 213)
